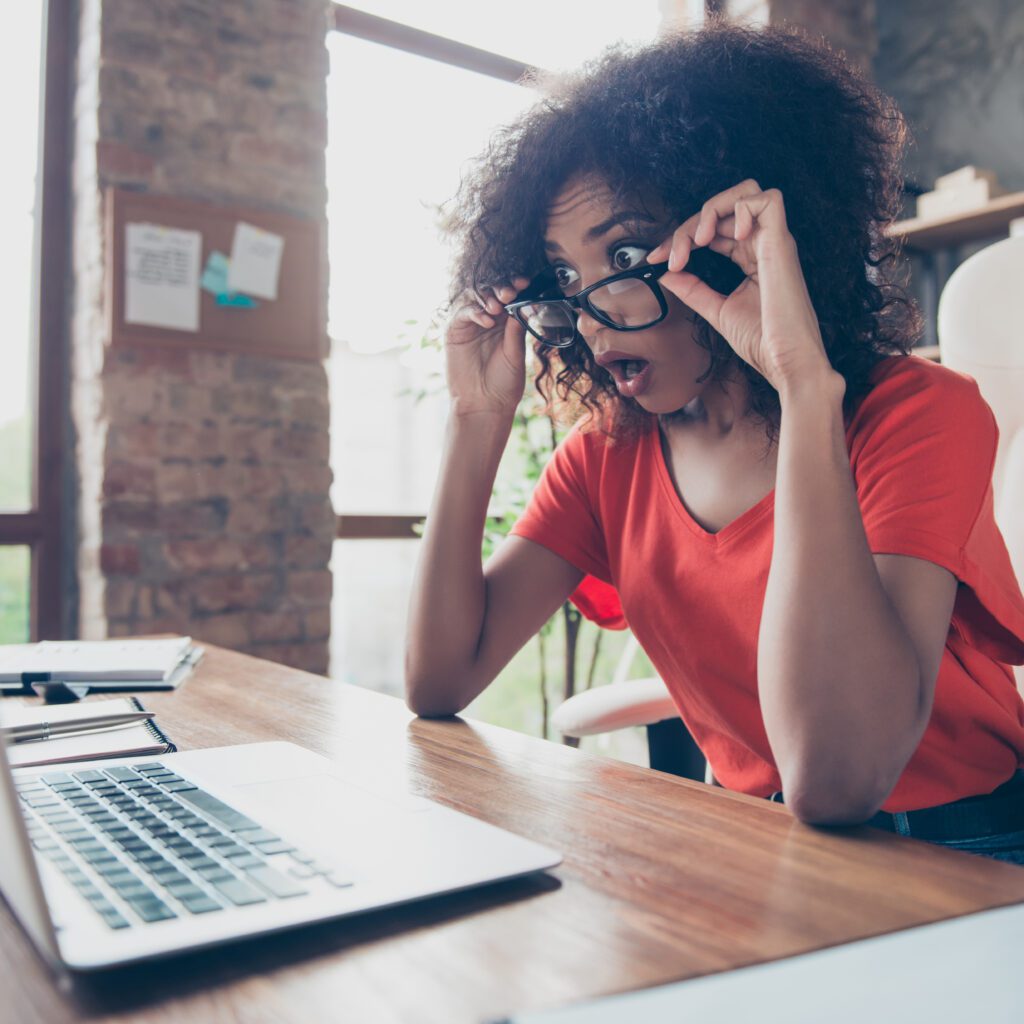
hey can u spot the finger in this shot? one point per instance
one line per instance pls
(657, 254)
(707, 226)
(477, 316)
(692, 291)
(492, 304)
(682, 246)
(514, 337)
(675, 248)
(721, 205)
(767, 209)
(743, 220)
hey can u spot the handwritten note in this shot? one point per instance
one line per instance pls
(161, 269)
(255, 261)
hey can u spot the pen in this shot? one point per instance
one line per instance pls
(44, 730)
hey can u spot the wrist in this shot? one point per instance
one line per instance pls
(466, 412)
(818, 382)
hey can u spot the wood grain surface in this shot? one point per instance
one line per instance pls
(663, 879)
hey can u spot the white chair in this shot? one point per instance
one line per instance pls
(981, 332)
(626, 702)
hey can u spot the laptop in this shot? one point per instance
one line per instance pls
(113, 861)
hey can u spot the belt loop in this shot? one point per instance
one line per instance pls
(900, 823)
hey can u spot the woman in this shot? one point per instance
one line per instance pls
(795, 515)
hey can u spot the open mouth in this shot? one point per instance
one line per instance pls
(630, 375)
(626, 369)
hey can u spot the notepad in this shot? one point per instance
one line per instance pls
(103, 664)
(136, 738)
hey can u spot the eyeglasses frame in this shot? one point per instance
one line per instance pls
(649, 274)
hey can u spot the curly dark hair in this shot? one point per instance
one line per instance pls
(682, 119)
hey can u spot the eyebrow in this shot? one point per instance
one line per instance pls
(622, 217)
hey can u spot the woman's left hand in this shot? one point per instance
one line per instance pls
(768, 320)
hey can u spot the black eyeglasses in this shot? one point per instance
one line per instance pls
(630, 301)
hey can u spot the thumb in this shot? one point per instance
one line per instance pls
(513, 341)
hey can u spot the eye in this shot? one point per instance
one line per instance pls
(565, 278)
(626, 257)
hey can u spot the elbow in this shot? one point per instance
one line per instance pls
(825, 810)
(426, 706)
(835, 801)
(426, 698)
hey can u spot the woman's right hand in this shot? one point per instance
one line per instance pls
(485, 353)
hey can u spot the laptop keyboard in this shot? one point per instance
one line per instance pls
(144, 845)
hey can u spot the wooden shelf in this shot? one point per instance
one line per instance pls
(966, 226)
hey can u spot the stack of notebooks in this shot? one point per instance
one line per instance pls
(159, 664)
(95, 739)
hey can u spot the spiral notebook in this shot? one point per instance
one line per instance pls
(136, 738)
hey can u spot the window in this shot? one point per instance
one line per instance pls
(401, 129)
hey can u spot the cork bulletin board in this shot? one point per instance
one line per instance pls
(290, 326)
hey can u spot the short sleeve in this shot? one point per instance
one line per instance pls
(922, 449)
(560, 514)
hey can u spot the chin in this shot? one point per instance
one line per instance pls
(667, 405)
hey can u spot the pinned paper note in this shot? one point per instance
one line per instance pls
(161, 270)
(215, 281)
(255, 262)
(215, 274)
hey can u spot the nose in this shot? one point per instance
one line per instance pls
(587, 326)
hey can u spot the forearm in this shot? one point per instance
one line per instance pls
(838, 677)
(448, 601)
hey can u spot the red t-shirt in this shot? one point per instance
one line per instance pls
(922, 445)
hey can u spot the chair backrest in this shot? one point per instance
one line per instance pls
(981, 332)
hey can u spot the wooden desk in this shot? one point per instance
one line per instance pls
(663, 879)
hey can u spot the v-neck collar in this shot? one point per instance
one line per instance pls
(727, 533)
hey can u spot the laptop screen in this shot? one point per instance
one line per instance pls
(19, 880)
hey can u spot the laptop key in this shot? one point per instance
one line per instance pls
(185, 887)
(213, 872)
(231, 819)
(274, 846)
(201, 904)
(56, 778)
(114, 919)
(247, 861)
(256, 835)
(275, 883)
(240, 893)
(151, 908)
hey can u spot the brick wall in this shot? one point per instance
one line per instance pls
(203, 478)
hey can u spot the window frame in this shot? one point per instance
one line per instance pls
(40, 527)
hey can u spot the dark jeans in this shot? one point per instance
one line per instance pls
(991, 825)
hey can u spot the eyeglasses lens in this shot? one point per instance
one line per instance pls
(552, 323)
(627, 303)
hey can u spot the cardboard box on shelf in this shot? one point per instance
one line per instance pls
(959, 191)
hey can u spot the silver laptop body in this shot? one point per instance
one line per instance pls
(112, 861)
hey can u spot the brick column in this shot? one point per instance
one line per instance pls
(203, 500)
